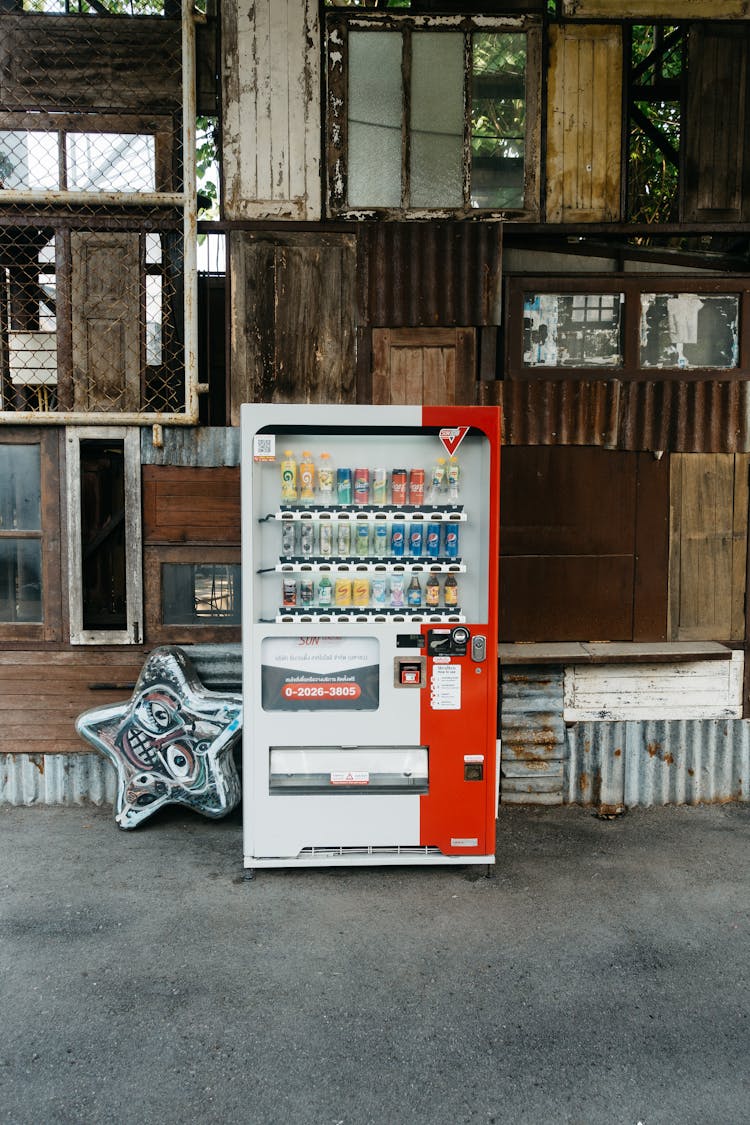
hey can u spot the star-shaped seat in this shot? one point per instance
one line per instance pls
(170, 743)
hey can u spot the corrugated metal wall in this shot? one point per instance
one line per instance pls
(678, 416)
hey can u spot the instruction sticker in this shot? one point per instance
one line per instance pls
(445, 687)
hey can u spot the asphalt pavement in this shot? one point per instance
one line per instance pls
(600, 976)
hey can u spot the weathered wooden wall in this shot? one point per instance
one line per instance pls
(658, 9)
(41, 693)
(293, 318)
(190, 505)
(271, 100)
(584, 122)
(708, 546)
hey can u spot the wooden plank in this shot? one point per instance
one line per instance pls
(106, 303)
(424, 366)
(706, 574)
(740, 504)
(717, 167)
(651, 590)
(657, 9)
(182, 504)
(584, 123)
(64, 61)
(694, 690)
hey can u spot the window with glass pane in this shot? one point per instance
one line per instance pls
(498, 119)
(437, 119)
(201, 593)
(689, 330)
(375, 113)
(572, 330)
(20, 534)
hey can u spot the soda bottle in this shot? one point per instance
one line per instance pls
(361, 486)
(454, 472)
(325, 591)
(343, 538)
(415, 540)
(326, 479)
(380, 538)
(326, 538)
(450, 591)
(288, 478)
(437, 480)
(307, 478)
(451, 540)
(398, 539)
(433, 540)
(414, 592)
(432, 591)
(344, 486)
(416, 487)
(398, 487)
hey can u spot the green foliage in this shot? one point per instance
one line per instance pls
(206, 166)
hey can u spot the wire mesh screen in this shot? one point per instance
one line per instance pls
(92, 256)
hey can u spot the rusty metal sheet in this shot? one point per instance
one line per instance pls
(533, 735)
(56, 779)
(422, 275)
(655, 762)
(690, 416)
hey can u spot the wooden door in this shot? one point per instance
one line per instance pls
(106, 325)
(584, 123)
(708, 546)
(423, 366)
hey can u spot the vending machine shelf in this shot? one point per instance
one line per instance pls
(369, 566)
(438, 513)
(369, 613)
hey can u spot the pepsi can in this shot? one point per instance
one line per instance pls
(433, 540)
(451, 540)
(397, 539)
(415, 539)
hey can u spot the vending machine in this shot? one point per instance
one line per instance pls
(370, 578)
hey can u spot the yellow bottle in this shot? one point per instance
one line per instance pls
(307, 478)
(288, 478)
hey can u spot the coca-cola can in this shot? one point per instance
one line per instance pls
(398, 487)
(416, 487)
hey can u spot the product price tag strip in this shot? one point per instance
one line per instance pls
(304, 565)
(423, 513)
(366, 614)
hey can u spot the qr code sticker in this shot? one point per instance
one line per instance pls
(264, 447)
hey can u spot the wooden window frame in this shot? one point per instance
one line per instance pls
(131, 439)
(338, 25)
(632, 286)
(159, 633)
(50, 627)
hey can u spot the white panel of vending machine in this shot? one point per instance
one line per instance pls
(369, 634)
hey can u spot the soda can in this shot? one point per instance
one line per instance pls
(379, 591)
(451, 540)
(343, 538)
(289, 591)
(361, 591)
(379, 486)
(397, 591)
(433, 540)
(326, 538)
(398, 539)
(361, 486)
(398, 487)
(362, 539)
(380, 538)
(344, 486)
(306, 591)
(343, 591)
(415, 540)
(416, 487)
(288, 537)
(306, 538)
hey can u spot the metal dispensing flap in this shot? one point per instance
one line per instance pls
(391, 769)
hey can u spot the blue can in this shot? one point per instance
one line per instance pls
(433, 540)
(416, 535)
(397, 539)
(451, 540)
(344, 486)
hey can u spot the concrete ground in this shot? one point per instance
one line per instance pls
(601, 977)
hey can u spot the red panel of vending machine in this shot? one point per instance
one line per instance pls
(370, 579)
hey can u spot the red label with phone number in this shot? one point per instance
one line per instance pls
(321, 691)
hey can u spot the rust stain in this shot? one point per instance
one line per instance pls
(617, 753)
(669, 759)
(583, 781)
(653, 749)
(37, 760)
(691, 773)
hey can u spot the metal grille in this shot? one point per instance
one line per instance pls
(97, 214)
